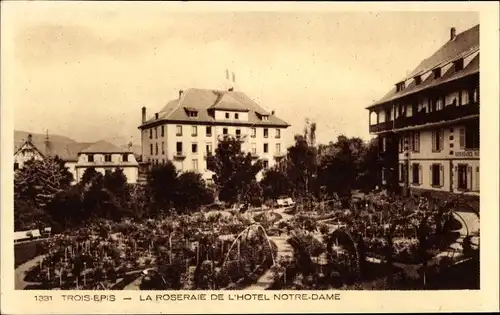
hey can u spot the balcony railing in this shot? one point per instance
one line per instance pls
(179, 156)
(450, 112)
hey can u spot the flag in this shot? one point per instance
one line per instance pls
(234, 77)
(227, 74)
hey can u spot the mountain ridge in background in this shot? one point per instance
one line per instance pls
(38, 140)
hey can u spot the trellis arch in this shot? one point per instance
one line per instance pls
(258, 227)
(353, 249)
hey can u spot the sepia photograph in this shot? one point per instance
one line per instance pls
(156, 149)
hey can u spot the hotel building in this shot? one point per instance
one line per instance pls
(189, 127)
(428, 124)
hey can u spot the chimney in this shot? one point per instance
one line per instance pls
(453, 33)
(143, 114)
(180, 93)
(30, 138)
(156, 115)
(272, 112)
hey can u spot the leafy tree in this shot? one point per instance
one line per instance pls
(66, 210)
(275, 184)
(253, 194)
(116, 183)
(234, 170)
(161, 184)
(88, 176)
(191, 192)
(27, 216)
(301, 164)
(39, 181)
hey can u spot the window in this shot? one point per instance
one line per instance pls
(265, 164)
(238, 133)
(208, 131)
(416, 173)
(464, 97)
(418, 80)
(151, 133)
(477, 179)
(254, 132)
(227, 115)
(401, 144)
(439, 104)
(278, 148)
(90, 158)
(383, 146)
(163, 148)
(476, 95)
(265, 117)
(162, 161)
(156, 148)
(179, 148)
(178, 130)
(150, 149)
(125, 157)
(471, 135)
(163, 131)
(459, 64)
(266, 147)
(401, 172)
(208, 148)
(437, 140)
(436, 175)
(236, 116)
(416, 142)
(156, 132)
(278, 134)
(254, 149)
(192, 114)
(437, 73)
(224, 131)
(463, 176)
(400, 86)
(195, 164)
(194, 131)
(16, 166)
(266, 133)
(107, 157)
(194, 148)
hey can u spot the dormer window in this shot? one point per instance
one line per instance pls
(265, 117)
(437, 73)
(418, 80)
(459, 64)
(400, 86)
(191, 112)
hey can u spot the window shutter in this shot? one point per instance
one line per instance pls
(469, 177)
(417, 141)
(441, 175)
(430, 175)
(410, 142)
(441, 139)
(420, 177)
(462, 138)
(433, 141)
(477, 179)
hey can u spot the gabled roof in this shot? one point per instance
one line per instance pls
(464, 44)
(104, 147)
(65, 151)
(205, 101)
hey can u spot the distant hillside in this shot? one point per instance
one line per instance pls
(65, 146)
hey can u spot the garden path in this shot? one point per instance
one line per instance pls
(20, 273)
(284, 249)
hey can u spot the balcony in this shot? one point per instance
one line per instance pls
(179, 156)
(449, 113)
(279, 155)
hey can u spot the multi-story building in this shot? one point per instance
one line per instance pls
(188, 129)
(428, 124)
(105, 157)
(102, 156)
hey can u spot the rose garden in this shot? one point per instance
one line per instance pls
(177, 233)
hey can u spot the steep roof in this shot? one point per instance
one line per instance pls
(104, 147)
(67, 151)
(205, 100)
(463, 45)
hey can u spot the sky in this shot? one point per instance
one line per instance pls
(85, 69)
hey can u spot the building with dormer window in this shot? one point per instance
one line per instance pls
(192, 125)
(428, 124)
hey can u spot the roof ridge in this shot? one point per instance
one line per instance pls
(179, 102)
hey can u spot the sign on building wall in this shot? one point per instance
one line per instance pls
(474, 153)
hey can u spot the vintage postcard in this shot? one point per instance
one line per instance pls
(176, 157)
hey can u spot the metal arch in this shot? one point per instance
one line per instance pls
(463, 221)
(343, 231)
(258, 226)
